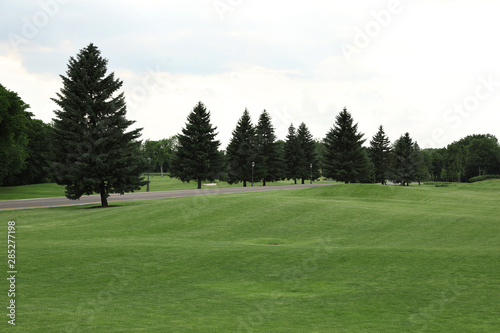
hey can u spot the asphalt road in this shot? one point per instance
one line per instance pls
(96, 200)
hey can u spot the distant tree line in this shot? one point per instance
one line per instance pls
(24, 142)
(88, 149)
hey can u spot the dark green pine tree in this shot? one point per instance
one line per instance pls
(346, 160)
(309, 164)
(380, 155)
(197, 156)
(241, 151)
(405, 167)
(293, 154)
(92, 150)
(269, 162)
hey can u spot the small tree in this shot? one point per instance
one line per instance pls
(197, 156)
(241, 151)
(92, 150)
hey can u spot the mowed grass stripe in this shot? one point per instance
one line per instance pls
(347, 258)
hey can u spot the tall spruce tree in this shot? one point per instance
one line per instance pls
(293, 154)
(92, 150)
(242, 151)
(269, 163)
(380, 153)
(346, 159)
(309, 156)
(197, 156)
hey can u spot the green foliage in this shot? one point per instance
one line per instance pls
(483, 177)
(474, 155)
(269, 164)
(454, 162)
(39, 146)
(14, 122)
(92, 152)
(420, 161)
(309, 156)
(320, 151)
(346, 160)
(242, 151)
(380, 155)
(160, 152)
(437, 163)
(483, 155)
(409, 163)
(197, 156)
(293, 154)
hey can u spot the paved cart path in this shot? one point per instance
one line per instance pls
(96, 200)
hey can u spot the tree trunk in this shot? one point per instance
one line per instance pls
(303, 181)
(161, 168)
(263, 182)
(199, 184)
(104, 198)
(244, 183)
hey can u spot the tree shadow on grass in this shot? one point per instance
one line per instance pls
(96, 207)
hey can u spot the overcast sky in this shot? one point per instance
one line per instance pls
(430, 68)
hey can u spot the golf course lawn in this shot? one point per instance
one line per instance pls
(344, 258)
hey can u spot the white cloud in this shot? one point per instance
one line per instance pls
(283, 57)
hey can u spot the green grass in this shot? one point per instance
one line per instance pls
(346, 258)
(158, 183)
(49, 190)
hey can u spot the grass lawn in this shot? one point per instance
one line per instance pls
(158, 183)
(346, 258)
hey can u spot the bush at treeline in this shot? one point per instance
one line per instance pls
(483, 177)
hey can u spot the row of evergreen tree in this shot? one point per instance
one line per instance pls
(89, 149)
(255, 154)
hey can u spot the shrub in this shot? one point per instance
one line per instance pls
(483, 177)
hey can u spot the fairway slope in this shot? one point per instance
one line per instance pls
(344, 258)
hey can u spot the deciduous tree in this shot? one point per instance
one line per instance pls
(13, 133)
